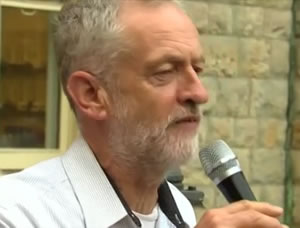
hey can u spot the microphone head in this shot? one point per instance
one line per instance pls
(218, 161)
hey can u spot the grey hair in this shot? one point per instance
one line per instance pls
(88, 37)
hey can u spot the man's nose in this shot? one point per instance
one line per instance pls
(191, 88)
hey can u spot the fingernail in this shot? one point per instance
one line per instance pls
(280, 209)
(284, 226)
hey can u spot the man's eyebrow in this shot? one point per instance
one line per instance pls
(199, 60)
(167, 58)
(172, 58)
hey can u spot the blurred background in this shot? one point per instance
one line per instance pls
(252, 74)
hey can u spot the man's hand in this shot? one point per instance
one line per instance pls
(243, 214)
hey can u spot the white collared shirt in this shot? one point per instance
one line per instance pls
(70, 191)
(149, 220)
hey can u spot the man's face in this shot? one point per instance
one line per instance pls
(155, 107)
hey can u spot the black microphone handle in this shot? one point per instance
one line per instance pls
(236, 188)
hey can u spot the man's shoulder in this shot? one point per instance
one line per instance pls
(38, 180)
(41, 192)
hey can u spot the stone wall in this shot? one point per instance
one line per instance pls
(247, 46)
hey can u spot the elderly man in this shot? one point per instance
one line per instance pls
(130, 69)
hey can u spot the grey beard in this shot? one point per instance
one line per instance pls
(134, 145)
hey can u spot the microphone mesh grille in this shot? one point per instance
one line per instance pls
(212, 155)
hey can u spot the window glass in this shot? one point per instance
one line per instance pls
(29, 91)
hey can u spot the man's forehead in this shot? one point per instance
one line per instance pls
(137, 14)
(164, 22)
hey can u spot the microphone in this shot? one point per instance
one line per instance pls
(222, 167)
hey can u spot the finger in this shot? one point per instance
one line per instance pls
(264, 208)
(254, 219)
(241, 219)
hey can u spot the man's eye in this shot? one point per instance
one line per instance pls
(198, 70)
(163, 77)
(165, 72)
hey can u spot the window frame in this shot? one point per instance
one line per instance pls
(18, 158)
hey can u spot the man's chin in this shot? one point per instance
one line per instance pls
(189, 152)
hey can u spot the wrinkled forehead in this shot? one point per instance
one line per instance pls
(146, 24)
(138, 14)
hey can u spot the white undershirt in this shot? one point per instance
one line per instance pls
(148, 221)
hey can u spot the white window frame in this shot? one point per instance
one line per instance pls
(18, 158)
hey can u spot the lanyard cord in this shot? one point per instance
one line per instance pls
(133, 217)
(165, 200)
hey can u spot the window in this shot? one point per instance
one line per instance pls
(35, 119)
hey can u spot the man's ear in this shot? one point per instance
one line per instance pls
(88, 96)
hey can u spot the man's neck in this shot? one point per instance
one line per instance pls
(139, 189)
(138, 185)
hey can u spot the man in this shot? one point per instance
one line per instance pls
(130, 69)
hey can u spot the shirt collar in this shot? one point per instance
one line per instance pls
(99, 202)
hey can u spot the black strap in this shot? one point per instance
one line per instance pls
(165, 200)
(169, 207)
(133, 217)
